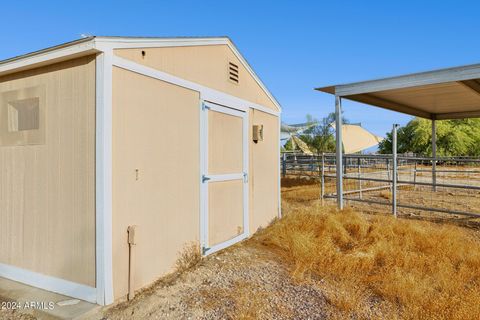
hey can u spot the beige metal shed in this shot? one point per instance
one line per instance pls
(176, 137)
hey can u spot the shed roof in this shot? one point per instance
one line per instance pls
(98, 44)
(451, 93)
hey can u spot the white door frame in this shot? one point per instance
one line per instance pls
(205, 178)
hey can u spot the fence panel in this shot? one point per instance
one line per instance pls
(451, 187)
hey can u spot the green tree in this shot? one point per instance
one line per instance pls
(454, 138)
(320, 136)
(288, 145)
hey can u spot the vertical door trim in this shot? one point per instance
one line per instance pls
(204, 232)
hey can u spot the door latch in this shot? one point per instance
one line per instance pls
(205, 178)
(245, 177)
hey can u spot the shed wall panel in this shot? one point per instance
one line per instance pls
(47, 190)
(264, 171)
(155, 131)
(205, 65)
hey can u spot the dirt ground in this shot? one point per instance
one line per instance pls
(248, 281)
(242, 282)
(15, 315)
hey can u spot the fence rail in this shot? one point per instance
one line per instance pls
(445, 185)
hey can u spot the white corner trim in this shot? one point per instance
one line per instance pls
(103, 183)
(48, 57)
(49, 283)
(207, 93)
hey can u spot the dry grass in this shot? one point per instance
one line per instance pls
(188, 258)
(408, 269)
(385, 195)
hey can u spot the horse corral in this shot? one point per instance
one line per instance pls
(450, 191)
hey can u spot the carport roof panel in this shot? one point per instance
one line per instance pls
(442, 94)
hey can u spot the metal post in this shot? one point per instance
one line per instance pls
(388, 172)
(284, 165)
(359, 176)
(394, 176)
(322, 178)
(434, 155)
(415, 176)
(338, 136)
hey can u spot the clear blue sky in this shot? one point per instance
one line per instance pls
(294, 46)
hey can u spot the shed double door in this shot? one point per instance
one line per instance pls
(224, 179)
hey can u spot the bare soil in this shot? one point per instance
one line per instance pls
(242, 282)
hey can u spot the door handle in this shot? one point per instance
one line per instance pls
(205, 178)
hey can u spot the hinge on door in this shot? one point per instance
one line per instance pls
(204, 250)
(205, 107)
(205, 178)
(245, 177)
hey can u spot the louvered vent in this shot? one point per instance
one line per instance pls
(233, 72)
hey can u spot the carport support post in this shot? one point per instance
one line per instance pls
(338, 140)
(394, 175)
(434, 155)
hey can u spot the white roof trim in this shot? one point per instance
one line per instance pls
(127, 43)
(454, 74)
(46, 57)
(102, 44)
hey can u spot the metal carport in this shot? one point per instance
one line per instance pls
(452, 93)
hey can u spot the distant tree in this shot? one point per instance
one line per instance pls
(454, 138)
(320, 136)
(288, 145)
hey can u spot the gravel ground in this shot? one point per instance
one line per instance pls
(241, 282)
(13, 314)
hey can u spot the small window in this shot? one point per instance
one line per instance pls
(24, 115)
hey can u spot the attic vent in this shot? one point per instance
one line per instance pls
(233, 72)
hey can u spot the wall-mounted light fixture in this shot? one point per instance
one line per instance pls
(257, 132)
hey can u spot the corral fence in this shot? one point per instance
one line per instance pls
(449, 185)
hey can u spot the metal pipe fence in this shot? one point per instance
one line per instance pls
(444, 185)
